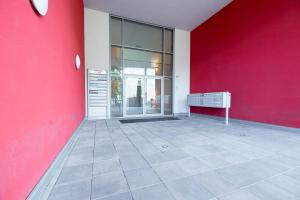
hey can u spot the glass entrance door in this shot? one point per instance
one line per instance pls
(142, 96)
(134, 98)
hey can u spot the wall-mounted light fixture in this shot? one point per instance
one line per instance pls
(41, 6)
(77, 62)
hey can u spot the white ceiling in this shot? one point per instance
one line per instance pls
(182, 14)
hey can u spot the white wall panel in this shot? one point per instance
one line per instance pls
(181, 71)
(96, 30)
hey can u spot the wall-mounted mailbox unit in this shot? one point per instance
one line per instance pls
(97, 94)
(211, 100)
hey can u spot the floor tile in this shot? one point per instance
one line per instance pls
(75, 173)
(287, 183)
(265, 190)
(214, 183)
(141, 178)
(79, 159)
(126, 149)
(233, 157)
(157, 158)
(188, 189)
(246, 173)
(119, 196)
(107, 155)
(239, 195)
(88, 149)
(74, 191)
(155, 192)
(130, 162)
(106, 166)
(175, 154)
(108, 184)
(287, 160)
(170, 170)
(104, 148)
(192, 165)
(214, 161)
(84, 142)
(294, 173)
(270, 162)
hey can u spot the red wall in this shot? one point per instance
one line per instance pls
(41, 92)
(252, 49)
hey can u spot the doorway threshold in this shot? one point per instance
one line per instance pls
(153, 119)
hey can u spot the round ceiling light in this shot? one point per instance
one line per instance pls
(41, 6)
(77, 62)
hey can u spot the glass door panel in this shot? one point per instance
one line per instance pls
(134, 95)
(168, 96)
(153, 96)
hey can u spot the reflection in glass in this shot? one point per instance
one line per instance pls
(168, 65)
(142, 36)
(135, 62)
(168, 41)
(116, 61)
(134, 97)
(116, 97)
(116, 31)
(154, 68)
(168, 96)
(153, 103)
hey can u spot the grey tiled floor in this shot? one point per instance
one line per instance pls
(190, 159)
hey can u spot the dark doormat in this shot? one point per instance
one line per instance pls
(127, 121)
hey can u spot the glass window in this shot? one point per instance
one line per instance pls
(168, 96)
(116, 96)
(116, 61)
(168, 41)
(116, 31)
(136, 61)
(142, 36)
(154, 68)
(168, 65)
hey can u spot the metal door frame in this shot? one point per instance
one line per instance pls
(144, 95)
